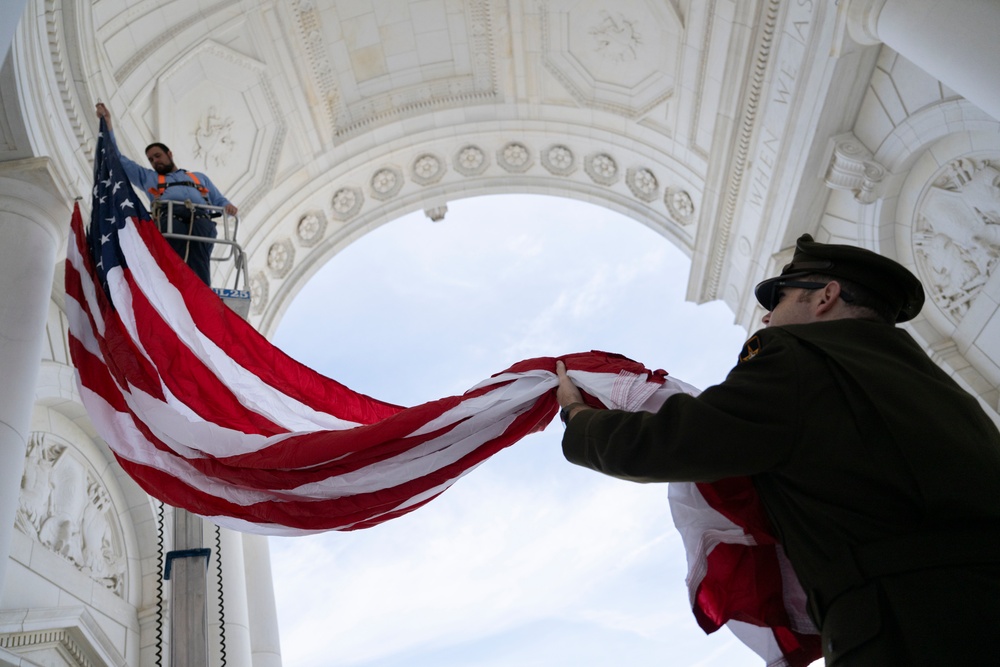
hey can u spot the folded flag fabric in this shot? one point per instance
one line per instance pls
(206, 415)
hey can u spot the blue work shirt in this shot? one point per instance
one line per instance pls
(147, 178)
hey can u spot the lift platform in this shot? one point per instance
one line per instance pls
(227, 249)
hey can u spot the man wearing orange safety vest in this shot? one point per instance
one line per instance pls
(165, 182)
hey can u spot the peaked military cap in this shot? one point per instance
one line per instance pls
(890, 280)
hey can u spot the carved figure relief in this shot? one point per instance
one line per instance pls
(957, 235)
(213, 138)
(66, 508)
(616, 37)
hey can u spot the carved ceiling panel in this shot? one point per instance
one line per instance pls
(220, 114)
(368, 63)
(621, 57)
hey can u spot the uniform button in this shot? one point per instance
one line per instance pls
(829, 646)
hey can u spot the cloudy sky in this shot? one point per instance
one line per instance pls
(528, 560)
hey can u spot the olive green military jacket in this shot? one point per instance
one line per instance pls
(853, 437)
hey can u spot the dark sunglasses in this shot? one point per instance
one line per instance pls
(772, 296)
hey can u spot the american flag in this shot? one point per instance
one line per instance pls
(206, 415)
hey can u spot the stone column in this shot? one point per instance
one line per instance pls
(32, 228)
(264, 638)
(955, 42)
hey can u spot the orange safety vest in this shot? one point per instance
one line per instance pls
(162, 184)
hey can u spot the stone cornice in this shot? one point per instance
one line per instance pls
(737, 170)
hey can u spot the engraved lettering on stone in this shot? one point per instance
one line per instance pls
(642, 183)
(470, 161)
(680, 205)
(65, 507)
(559, 160)
(386, 182)
(427, 169)
(616, 37)
(767, 154)
(514, 157)
(347, 202)
(213, 138)
(280, 257)
(310, 229)
(957, 235)
(602, 168)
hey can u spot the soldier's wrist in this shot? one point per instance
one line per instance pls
(569, 410)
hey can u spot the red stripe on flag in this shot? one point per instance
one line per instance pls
(244, 345)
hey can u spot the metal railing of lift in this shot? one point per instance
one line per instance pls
(227, 224)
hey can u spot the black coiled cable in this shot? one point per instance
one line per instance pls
(159, 585)
(222, 609)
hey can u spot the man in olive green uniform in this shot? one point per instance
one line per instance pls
(881, 476)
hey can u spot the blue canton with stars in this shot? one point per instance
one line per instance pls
(114, 202)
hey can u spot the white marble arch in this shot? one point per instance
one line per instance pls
(635, 180)
(338, 117)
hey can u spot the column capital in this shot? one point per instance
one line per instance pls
(862, 20)
(29, 190)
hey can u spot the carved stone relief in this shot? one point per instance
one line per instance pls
(680, 205)
(559, 160)
(280, 258)
(386, 183)
(605, 59)
(470, 161)
(216, 97)
(310, 229)
(436, 213)
(642, 183)
(213, 138)
(957, 232)
(427, 169)
(514, 157)
(65, 507)
(259, 292)
(347, 202)
(616, 37)
(601, 168)
(853, 167)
